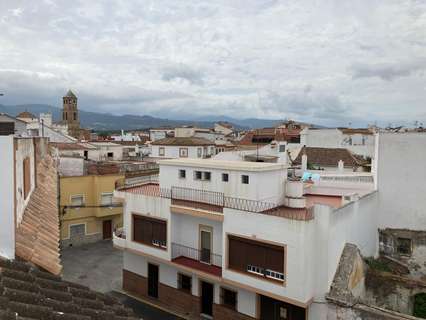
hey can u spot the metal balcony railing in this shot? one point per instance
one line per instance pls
(204, 255)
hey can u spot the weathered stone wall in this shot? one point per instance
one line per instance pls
(415, 260)
(359, 292)
(363, 312)
(392, 292)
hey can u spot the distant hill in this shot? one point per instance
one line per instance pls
(108, 122)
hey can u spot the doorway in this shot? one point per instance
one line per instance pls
(207, 291)
(152, 280)
(271, 309)
(107, 229)
(205, 245)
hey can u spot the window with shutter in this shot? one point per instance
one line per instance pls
(256, 258)
(150, 231)
(27, 176)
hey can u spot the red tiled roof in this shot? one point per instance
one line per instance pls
(269, 134)
(29, 293)
(365, 131)
(183, 141)
(329, 157)
(37, 236)
(291, 213)
(68, 146)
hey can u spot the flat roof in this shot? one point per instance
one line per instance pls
(224, 164)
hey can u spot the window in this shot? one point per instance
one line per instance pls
(404, 246)
(202, 175)
(150, 231)
(245, 179)
(197, 175)
(106, 199)
(199, 152)
(110, 155)
(161, 151)
(27, 176)
(77, 230)
(184, 282)
(282, 148)
(183, 152)
(225, 177)
(256, 258)
(77, 200)
(207, 176)
(75, 115)
(228, 298)
(182, 174)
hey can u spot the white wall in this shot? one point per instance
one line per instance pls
(265, 186)
(25, 148)
(71, 166)
(155, 207)
(7, 217)
(287, 232)
(401, 173)
(361, 144)
(173, 151)
(185, 231)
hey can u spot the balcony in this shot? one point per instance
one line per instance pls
(201, 260)
(119, 238)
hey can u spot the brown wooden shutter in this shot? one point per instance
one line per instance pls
(27, 177)
(237, 256)
(256, 255)
(275, 258)
(137, 229)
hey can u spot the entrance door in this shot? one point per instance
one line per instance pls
(207, 298)
(152, 280)
(107, 229)
(206, 246)
(271, 309)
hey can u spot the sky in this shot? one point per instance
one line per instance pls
(326, 62)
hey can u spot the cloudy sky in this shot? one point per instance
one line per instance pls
(324, 61)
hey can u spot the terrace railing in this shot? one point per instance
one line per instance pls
(213, 199)
(205, 256)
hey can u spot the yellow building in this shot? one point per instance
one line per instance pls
(88, 212)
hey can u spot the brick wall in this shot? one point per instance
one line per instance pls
(175, 300)
(221, 312)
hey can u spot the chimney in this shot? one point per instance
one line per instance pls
(304, 162)
(341, 166)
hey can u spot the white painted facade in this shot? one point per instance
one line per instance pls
(401, 173)
(313, 247)
(106, 151)
(174, 152)
(157, 134)
(7, 205)
(24, 149)
(13, 151)
(360, 144)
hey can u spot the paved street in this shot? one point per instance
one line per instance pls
(99, 266)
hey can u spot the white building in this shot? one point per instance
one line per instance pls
(238, 240)
(358, 141)
(184, 147)
(159, 133)
(223, 127)
(106, 150)
(128, 136)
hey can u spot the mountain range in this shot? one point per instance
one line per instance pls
(108, 122)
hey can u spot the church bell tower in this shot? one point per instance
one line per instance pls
(70, 114)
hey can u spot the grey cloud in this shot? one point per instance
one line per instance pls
(387, 71)
(312, 105)
(181, 71)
